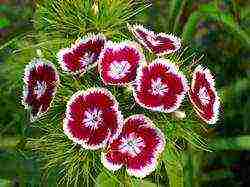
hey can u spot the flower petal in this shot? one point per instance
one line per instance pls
(92, 118)
(119, 62)
(160, 86)
(137, 147)
(203, 95)
(82, 55)
(41, 80)
(159, 44)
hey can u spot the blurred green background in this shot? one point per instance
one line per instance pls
(219, 29)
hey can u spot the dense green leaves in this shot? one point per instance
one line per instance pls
(211, 12)
(57, 24)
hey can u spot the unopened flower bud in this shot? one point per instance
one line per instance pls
(95, 8)
(179, 114)
(39, 52)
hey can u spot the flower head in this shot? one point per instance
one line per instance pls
(203, 95)
(82, 55)
(160, 86)
(159, 44)
(118, 63)
(137, 147)
(92, 118)
(41, 80)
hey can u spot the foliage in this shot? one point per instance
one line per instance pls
(184, 17)
(56, 27)
(59, 23)
(213, 13)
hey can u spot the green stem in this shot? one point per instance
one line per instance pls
(191, 167)
(233, 143)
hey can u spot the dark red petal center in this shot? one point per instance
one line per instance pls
(119, 63)
(160, 86)
(92, 118)
(203, 95)
(41, 80)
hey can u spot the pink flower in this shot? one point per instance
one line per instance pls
(82, 55)
(203, 95)
(118, 63)
(92, 118)
(41, 80)
(159, 44)
(160, 86)
(137, 147)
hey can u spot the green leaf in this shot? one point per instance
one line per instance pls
(4, 8)
(217, 175)
(105, 180)
(5, 183)
(4, 22)
(146, 183)
(234, 143)
(211, 12)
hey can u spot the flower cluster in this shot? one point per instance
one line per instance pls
(93, 118)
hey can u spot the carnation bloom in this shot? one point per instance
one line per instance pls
(82, 55)
(160, 86)
(203, 95)
(92, 118)
(137, 147)
(157, 43)
(118, 63)
(41, 80)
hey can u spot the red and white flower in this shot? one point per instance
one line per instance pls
(82, 55)
(160, 86)
(92, 118)
(157, 43)
(203, 95)
(41, 80)
(118, 62)
(137, 147)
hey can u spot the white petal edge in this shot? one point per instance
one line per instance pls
(173, 69)
(109, 137)
(149, 123)
(34, 63)
(144, 171)
(85, 39)
(116, 47)
(109, 165)
(147, 169)
(176, 40)
(210, 78)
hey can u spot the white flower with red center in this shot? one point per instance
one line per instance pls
(92, 118)
(157, 43)
(41, 80)
(203, 95)
(118, 62)
(82, 55)
(160, 86)
(137, 147)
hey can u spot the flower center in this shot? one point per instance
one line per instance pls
(92, 118)
(132, 145)
(203, 96)
(40, 88)
(119, 70)
(87, 59)
(158, 88)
